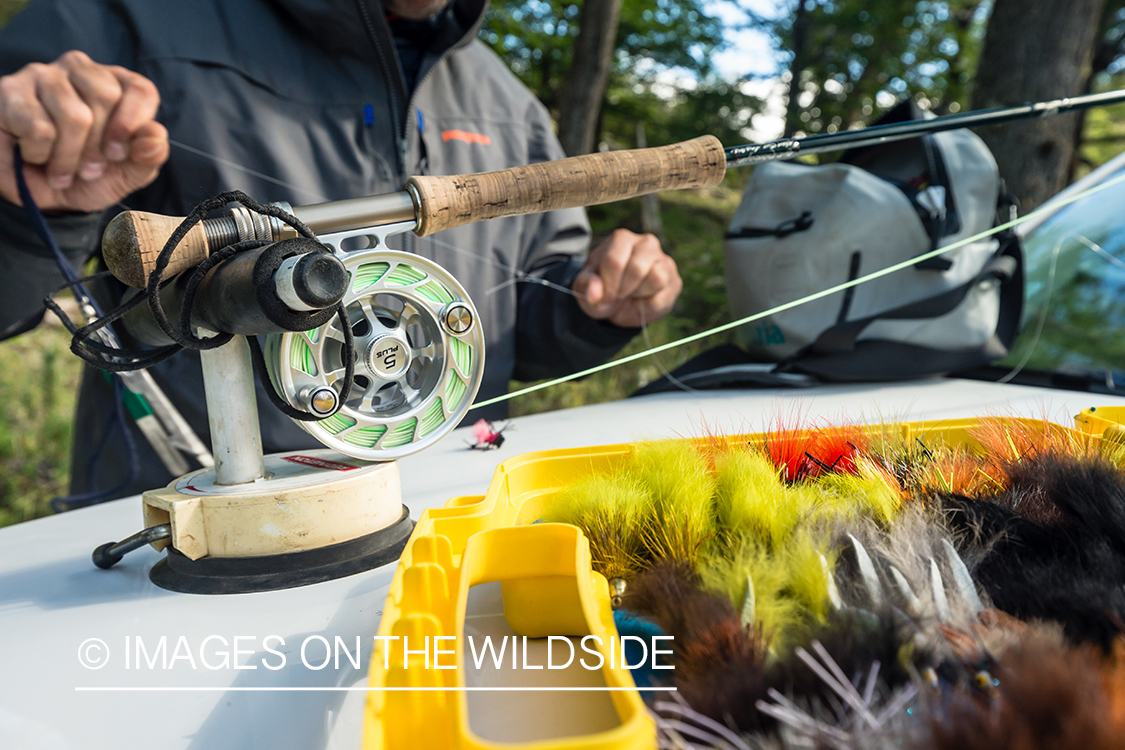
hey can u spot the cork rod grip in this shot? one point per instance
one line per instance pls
(133, 240)
(446, 202)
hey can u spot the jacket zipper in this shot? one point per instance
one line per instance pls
(472, 31)
(393, 83)
(410, 102)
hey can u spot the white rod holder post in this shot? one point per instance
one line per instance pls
(232, 410)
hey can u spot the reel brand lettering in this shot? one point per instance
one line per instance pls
(388, 355)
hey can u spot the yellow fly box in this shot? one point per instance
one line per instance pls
(481, 568)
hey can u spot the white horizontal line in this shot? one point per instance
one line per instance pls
(364, 689)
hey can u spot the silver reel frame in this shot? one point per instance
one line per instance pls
(419, 358)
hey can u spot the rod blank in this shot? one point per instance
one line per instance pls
(787, 148)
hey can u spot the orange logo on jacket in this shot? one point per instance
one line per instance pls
(466, 136)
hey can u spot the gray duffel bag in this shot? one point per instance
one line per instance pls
(802, 229)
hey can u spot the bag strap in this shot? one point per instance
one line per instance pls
(784, 229)
(837, 355)
(843, 337)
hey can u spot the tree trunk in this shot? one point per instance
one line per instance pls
(1035, 50)
(584, 89)
(800, 34)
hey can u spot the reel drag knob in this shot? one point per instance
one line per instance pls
(419, 358)
(388, 356)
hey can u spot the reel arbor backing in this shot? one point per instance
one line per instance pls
(419, 359)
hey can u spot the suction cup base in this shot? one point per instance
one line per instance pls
(243, 575)
(309, 500)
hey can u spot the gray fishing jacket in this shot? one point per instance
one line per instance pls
(305, 101)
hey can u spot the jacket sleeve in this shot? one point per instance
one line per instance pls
(553, 336)
(41, 33)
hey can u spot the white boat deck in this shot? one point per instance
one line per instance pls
(52, 598)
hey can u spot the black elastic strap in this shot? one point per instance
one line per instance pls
(259, 361)
(937, 229)
(837, 356)
(112, 359)
(186, 338)
(192, 287)
(843, 337)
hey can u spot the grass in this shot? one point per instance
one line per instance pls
(38, 389)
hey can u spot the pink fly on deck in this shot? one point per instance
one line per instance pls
(488, 435)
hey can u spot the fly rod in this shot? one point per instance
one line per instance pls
(428, 203)
(787, 148)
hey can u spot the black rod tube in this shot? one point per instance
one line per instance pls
(787, 148)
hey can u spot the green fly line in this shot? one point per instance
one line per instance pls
(803, 300)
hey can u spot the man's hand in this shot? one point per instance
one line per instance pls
(628, 280)
(86, 133)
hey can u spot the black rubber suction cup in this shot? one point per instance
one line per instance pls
(243, 575)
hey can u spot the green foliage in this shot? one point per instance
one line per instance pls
(671, 39)
(536, 39)
(1103, 129)
(38, 386)
(852, 59)
(9, 8)
(1111, 41)
(715, 107)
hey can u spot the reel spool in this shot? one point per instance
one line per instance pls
(419, 359)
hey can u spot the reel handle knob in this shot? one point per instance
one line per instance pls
(445, 202)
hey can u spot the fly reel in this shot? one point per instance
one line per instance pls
(419, 359)
(256, 523)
